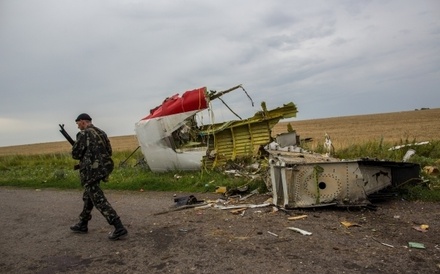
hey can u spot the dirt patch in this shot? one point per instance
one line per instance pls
(35, 237)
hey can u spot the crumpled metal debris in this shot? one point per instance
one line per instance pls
(301, 231)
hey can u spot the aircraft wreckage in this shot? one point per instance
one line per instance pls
(303, 179)
(171, 139)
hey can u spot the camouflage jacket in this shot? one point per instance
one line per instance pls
(92, 148)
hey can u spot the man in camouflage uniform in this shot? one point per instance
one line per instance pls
(93, 150)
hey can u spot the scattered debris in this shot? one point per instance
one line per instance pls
(186, 200)
(416, 245)
(242, 206)
(195, 206)
(349, 224)
(300, 217)
(302, 232)
(249, 195)
(408, 155)
(221, 189)
(431, 170)
(238, 210)
(421, 228)
(237, 191)
(273, 234)
(388, 245)
(206, 205)
(408, 145)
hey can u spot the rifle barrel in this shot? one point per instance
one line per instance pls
(66, 135)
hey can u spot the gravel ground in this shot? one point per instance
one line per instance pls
(35, 237)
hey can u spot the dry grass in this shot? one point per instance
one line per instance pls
(421, 125)
(394, 128)
(119, 143)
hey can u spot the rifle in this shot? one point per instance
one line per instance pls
(66, 135)
(69, 139)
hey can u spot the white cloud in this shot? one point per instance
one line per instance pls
(118, 59)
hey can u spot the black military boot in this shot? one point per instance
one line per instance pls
(80, 227)
(119, 231)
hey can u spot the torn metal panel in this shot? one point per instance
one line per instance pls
(154, 132)
(244, 138)
(192, 100)
(343, 183)
(288, 139)
(401, 172)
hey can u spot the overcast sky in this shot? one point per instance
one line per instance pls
(118, 59)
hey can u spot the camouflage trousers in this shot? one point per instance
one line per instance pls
(93, 196)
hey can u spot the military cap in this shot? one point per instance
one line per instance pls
(83, 116)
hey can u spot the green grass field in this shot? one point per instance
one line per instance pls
(49, 165)
(56, 171)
